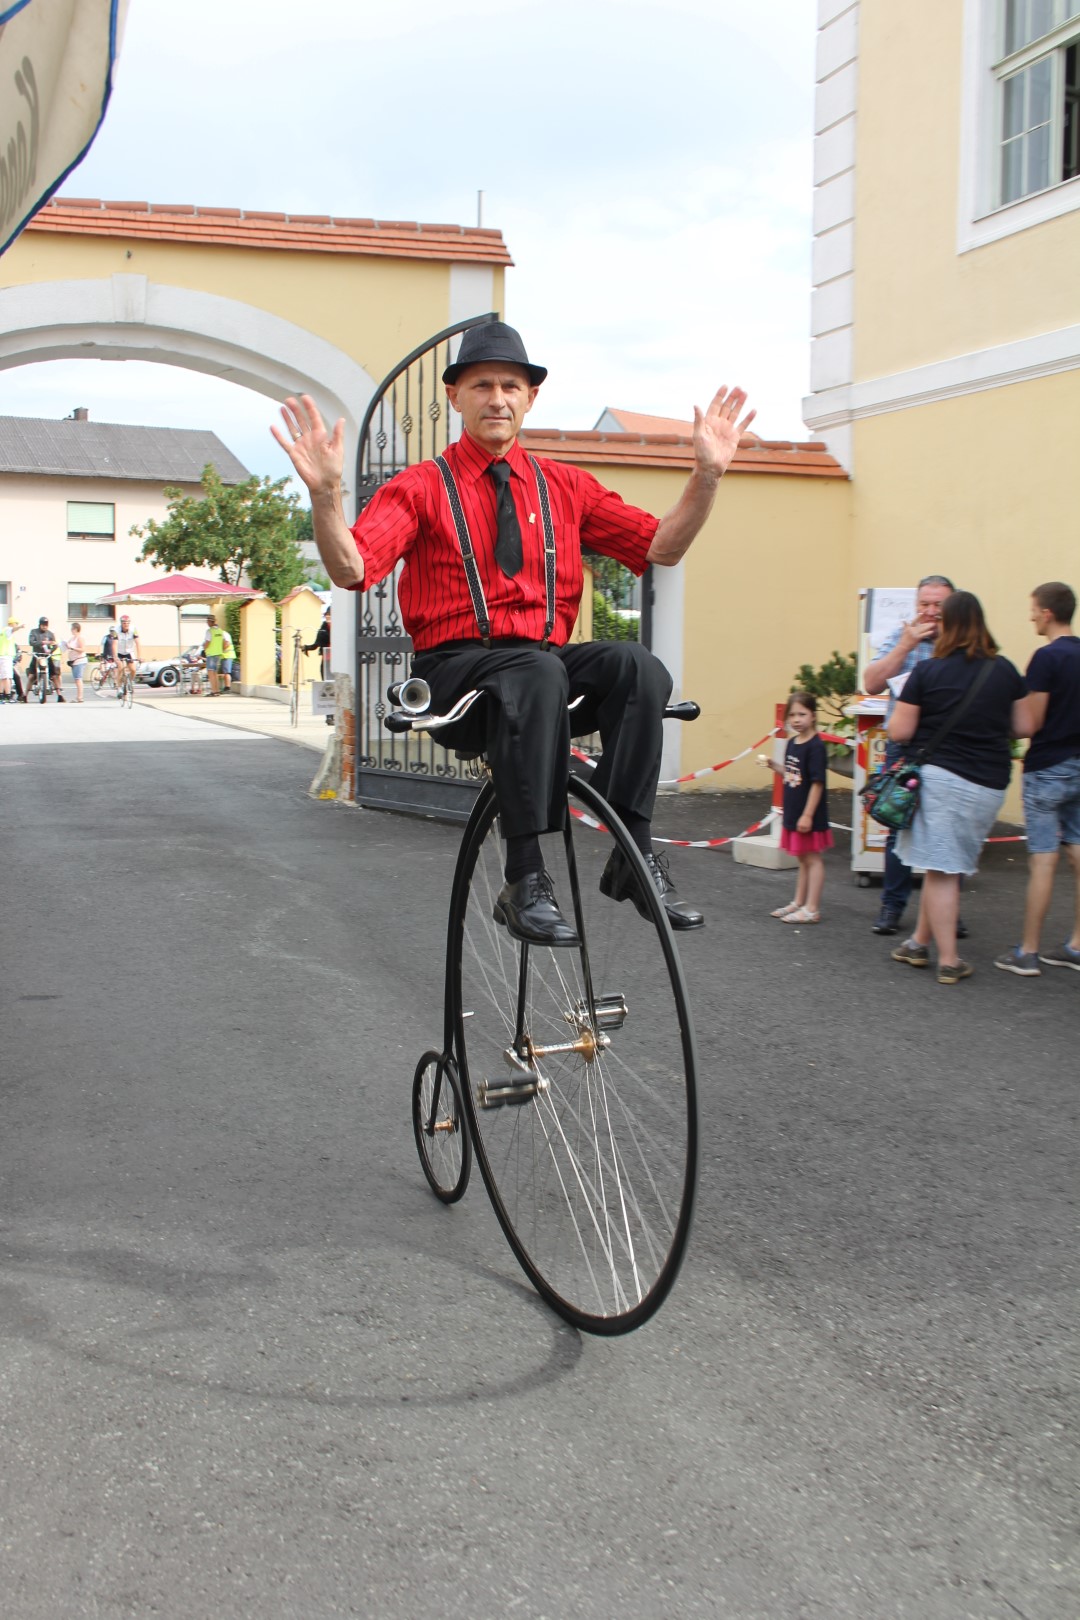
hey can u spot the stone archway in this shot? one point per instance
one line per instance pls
(130, 317)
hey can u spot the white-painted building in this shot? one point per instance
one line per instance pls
(70, 493)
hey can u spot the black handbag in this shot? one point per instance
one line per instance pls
(891, 796)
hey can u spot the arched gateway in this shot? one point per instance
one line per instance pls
(278, 303)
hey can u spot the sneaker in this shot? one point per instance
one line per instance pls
(1026, 963)
(1063, 956)
(953, 972)
(912, 953)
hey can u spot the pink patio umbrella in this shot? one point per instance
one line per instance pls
(179, 591)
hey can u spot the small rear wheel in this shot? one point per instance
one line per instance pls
(168, 677)
(442, 1136)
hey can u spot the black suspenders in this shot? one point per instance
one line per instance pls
(468, 555)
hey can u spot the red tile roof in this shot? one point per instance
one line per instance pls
(635, 422)
(806, 459)
(234, 227)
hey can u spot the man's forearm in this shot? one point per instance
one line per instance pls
(683, 523)
(337, 548)
(877, 675)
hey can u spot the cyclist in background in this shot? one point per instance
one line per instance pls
(128, 650)
(43, 642)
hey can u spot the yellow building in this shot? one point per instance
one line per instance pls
(945, 361)
(754, 597)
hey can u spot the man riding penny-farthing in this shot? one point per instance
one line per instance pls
(491, 542)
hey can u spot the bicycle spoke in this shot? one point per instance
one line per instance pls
(589, 1146)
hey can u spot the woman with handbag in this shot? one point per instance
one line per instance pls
(959, 710)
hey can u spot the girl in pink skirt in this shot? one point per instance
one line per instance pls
(806, 807)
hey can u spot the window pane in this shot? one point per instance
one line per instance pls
(1042, 17)
(1026, 20)
(1070, 154)
(83, 600)
(1040, 76)
(91, 517)
(1011, 170)
(1038, 159)
(1013, 106)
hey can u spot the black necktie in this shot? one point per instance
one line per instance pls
(508, 552)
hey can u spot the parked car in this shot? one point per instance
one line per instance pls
(168, 672)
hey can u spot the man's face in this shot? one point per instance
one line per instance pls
(1039, 617)
(928, 603)
(493, 400)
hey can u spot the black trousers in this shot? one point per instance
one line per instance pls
(524, 727)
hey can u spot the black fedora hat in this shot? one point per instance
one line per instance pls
(493, 341)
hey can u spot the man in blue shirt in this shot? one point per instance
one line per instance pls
(1051, 777)
(898, 656)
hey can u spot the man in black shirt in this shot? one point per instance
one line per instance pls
(1051, 778)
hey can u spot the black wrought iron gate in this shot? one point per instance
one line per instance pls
(410, 420)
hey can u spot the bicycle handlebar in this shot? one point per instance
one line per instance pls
(414, 696)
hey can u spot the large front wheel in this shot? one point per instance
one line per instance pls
(578, 1074)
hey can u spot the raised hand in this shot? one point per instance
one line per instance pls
(718, 430)
(316, 458)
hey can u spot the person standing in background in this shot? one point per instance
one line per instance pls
(213, 645)
(75, 653)
(1051, 778)
(900, 653)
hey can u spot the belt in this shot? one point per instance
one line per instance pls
(486, 641)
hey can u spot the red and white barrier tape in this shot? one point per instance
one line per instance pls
(710, 770)
(679, 843)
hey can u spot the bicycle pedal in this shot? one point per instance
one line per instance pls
(502, 1094)
(611, 1012)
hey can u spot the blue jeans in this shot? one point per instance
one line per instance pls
(896, 889)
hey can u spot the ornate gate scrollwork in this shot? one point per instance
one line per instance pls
(408, 420)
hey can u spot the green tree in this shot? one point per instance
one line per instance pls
(834, 685)
(232, 528)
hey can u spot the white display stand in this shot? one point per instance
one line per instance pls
(882, 609)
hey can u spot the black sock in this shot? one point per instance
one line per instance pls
(638, 827)
(522, 856)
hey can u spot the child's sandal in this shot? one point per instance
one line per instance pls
(801, 915)
(785, 911)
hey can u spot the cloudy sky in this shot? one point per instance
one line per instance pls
(649, 166)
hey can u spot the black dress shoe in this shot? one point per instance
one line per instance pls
(528, 911)
(888, 923)
(961, 928)
(619, 881)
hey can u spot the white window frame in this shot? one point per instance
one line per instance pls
(982, 217)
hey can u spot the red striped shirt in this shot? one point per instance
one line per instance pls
(409, 519)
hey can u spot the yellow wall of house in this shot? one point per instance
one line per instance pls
(301, 612)
(768, 586)
(374, 309)
(978, 488)
(918, 300)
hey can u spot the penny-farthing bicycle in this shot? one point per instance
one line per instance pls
(570, 1071)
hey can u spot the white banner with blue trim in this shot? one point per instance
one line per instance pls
(56, 71)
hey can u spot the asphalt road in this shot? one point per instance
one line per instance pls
(250, 1367)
